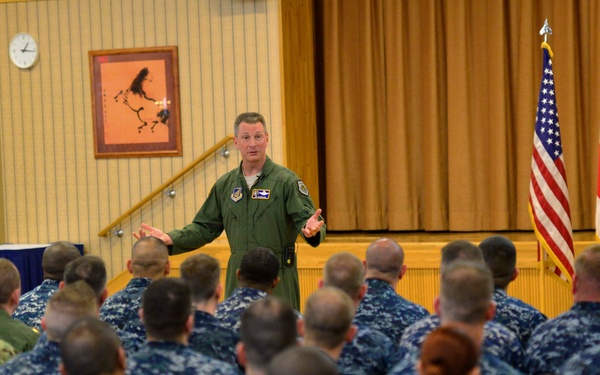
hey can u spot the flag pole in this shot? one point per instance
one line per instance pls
(545, 30)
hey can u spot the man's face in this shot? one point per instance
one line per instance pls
(252, 141)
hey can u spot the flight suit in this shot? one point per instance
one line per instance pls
(270, 214)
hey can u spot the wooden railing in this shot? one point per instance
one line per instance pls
(168, 183)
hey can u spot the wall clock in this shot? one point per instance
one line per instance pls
(23, 50)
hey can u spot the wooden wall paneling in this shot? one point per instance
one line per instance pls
(54, 188)
(298, 94)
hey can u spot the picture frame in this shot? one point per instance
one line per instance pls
(135, 100)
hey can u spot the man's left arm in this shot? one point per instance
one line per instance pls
(308, 220)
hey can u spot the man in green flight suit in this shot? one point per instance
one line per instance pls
(258, 204)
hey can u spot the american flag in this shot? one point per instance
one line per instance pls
(548, 192)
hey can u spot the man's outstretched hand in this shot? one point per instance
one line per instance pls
(313, 225)
(147, 230)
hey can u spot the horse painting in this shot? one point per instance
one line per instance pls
(138, 101)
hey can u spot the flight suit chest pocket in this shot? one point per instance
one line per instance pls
(266, 206)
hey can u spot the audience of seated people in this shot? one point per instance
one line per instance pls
(33, 303)
(181, 333)
(465, 301)
(382, 308)
(149, 261)
(268, 326)
(500, 256)
(327, 321)
(17, 334)
(91, 347)
(370, 352)
(499, 340)
(72, 302)
(168, 316)
(556, 340)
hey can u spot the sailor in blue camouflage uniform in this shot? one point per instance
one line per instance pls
(572, 332)
(382, 308)
(586, 362)
(149, 261)
(257, 276)
(202, 273)
(268, 327)
(465, 302)
(33, 303)
(498, 340)
(65, 307)
(489, 364)
(370, 352)
(500, 255)
(168, 316)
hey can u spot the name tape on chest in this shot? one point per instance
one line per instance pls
(261, 194)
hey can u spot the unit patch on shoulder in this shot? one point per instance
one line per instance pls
(236, 195)
(261, 194)
(302, 188)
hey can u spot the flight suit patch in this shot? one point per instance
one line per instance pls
(302, 188)
(261, 194)
(236, 195)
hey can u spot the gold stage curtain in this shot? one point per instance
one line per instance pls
(427, 110)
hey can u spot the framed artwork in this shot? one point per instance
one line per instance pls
(135, 99)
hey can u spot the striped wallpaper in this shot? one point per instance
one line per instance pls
(54, 188)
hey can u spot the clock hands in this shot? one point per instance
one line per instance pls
(27, 50)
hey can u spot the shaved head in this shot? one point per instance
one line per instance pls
(386, 257)
(149, 257)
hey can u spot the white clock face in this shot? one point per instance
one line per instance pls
(23, 50)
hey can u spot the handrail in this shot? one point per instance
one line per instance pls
(162, 187)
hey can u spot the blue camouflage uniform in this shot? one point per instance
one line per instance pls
(41, 360)
(384, 310)
(32, 304)
(369, 353)
(133, 337)
(584, 363)
(229, 312)
(212, 339)
(162, 357)
(123, 306)
(489, 364)
(556, 340)
(498, 341)
(516, 315)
